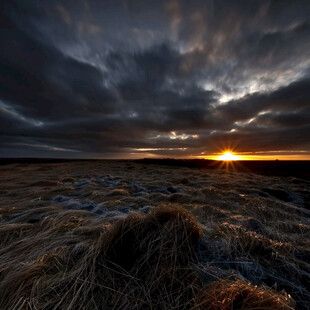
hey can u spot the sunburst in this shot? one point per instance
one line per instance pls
(228, 156)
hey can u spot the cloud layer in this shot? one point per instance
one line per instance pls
(126, 79)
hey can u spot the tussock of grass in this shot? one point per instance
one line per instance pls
(238, 295)
(118, 192)
(72, 260)
(243, 243)
(137, 262)
(167, 235)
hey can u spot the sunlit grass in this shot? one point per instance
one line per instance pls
(220, 241)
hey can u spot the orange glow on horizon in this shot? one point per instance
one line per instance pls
(258, 157)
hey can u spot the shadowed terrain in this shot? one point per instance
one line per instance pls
(137, 235)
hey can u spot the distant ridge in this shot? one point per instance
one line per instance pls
(287, 168)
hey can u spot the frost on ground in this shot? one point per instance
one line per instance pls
(125, 235)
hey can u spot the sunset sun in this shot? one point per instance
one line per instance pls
(228, 156)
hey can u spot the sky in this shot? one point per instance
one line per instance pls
(142, 78)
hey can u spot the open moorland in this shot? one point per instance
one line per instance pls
(141, 235)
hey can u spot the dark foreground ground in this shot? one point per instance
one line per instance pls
(154, 235)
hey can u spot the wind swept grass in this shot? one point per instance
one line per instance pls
(238, 295)
(195, 244)
(70, 260)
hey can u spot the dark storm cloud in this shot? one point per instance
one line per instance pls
(291, 99)
(42, 82)
(171, 78)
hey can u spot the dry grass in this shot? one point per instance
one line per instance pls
(53, 256)
(69, 262)
(238, 295)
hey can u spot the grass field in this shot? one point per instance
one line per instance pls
(137, 235)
